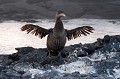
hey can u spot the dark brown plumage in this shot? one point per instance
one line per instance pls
(56, 39)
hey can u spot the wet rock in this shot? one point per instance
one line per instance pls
(106, 39)
(106, 65)
(48, 75)
(3, 76)
(103, 78)
(24, 50)
(71, 58)
(81, 52)
(76, 74)
(14, 57)
(4, 61)
(102, 55)
(22, 67)
(37, 55)
(87, 61)
(11, 73)
(53, 60)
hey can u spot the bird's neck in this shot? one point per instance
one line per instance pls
(58, 25)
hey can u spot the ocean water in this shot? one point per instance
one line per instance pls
(11, 37)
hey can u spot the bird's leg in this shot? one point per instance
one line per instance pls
(48, 54)
(53, 53)
(59, 53)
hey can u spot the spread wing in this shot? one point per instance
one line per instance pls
(74, 33)
(36, 30)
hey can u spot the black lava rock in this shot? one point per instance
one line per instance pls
(29, 62)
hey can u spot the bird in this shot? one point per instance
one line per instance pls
(58, 35)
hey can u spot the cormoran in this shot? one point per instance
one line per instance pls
(57, 36)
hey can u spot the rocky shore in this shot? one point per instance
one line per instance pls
(30, 63)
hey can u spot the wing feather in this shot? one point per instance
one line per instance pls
(77, 32)
(36, 30)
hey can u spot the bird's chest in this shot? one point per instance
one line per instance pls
(56, 41)
(59, 39)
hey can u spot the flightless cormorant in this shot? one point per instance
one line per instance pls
(57, 36)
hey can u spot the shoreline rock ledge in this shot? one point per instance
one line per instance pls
(19, 64)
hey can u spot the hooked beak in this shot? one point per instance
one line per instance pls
(63, 15)
(60, 15)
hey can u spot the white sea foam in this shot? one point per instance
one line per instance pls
(99, 56)
(117, 73)
(34, 72)
(78, 66)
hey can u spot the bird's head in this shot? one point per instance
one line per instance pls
(60, 14)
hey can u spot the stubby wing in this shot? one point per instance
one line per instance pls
(74, 33)
(36, 30)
